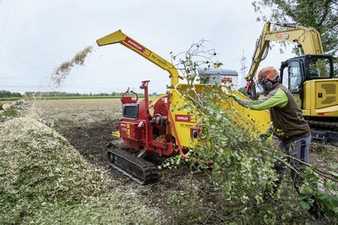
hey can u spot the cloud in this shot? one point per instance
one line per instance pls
(38, 35)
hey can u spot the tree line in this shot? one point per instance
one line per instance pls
(8, 94)
(58, 94)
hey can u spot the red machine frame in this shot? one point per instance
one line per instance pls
(147, 131)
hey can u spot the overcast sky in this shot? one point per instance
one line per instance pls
(37, 35)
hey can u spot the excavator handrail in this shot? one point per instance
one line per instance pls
(307, 38)
(120, 37)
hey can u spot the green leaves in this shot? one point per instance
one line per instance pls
(243, 169)
(322, 15)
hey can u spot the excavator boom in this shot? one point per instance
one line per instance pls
(120, 37)
(307, 39)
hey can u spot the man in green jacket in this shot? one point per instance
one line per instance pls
(291, 130)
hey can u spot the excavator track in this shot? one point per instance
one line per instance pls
(324, 132)
(324, 125)
(136, 168)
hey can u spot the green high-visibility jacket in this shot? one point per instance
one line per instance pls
(278, 99)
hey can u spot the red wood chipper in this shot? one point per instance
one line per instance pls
(161, 127)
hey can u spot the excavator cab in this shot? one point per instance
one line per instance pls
(312, 81)
(295, 71)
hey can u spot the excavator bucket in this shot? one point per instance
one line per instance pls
(112, 38)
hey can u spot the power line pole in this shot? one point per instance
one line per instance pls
(243, 68)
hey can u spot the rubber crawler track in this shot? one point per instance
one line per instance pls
(138, 169)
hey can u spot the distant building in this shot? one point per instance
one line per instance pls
(219, 76)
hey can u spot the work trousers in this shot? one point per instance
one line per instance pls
(299, 149)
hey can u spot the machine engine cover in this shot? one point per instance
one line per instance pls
(130, 130)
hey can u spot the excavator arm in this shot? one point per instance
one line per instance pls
(120, 37)
(307, 39)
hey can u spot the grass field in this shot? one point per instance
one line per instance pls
(68, 108)
(9, 99)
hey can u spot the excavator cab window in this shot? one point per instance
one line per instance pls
(285, 77)
(319, 67)
(292, 75)
(308, 67)
(295, 76)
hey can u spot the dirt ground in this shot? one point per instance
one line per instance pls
(87, 124)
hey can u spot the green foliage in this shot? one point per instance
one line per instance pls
(311, 195)
(242, 165)
(243, 170)
(322, 15)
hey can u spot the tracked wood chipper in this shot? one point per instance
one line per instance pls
(160, 127)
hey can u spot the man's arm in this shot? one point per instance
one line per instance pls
(279, 99)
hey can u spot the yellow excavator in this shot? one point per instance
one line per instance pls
(310, 77)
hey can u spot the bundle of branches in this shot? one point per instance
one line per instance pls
(244, 169)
